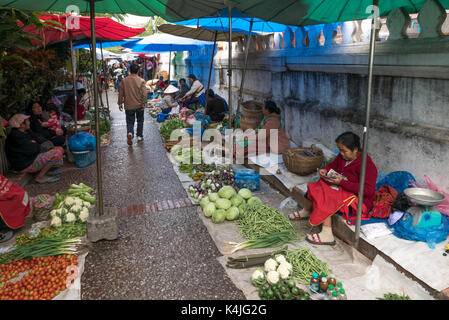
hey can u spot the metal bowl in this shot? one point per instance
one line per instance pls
(425, 197)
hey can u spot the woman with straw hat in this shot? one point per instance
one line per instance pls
(169, 101)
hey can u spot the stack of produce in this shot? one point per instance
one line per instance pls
(305, 263)
(222, 205)
(72, 207)
(211, 183)
(45, 277)
(274, 281)
(42, 206)
(189, 156)
(154, 111)
(169, 126)
(254, 260)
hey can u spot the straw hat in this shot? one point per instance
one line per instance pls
(171, 89)
(16, 120)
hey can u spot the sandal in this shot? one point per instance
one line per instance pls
(296, 216)
(316, 240)
(49, 180)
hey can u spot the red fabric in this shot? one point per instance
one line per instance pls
(352, 173)
(53, 123)
(81, 111)
(327, 201)
(384, 198)
(105, 29)
(15, 204)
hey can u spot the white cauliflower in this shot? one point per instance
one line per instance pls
(76, 208)
(78, 202)
(287, 265)
(273, 277)
(258, 278)
(69, 201)
(70, 217)
(84, 214)
(270, 265)
(56, 222)
(280, 258)
(86, 204)
(283, 271)
(53, 213)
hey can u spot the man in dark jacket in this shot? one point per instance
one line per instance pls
(215, 106)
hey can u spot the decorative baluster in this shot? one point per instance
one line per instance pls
(329, 32)
(431, 18)
(289, 37)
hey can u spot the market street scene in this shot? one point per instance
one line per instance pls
(224, 150)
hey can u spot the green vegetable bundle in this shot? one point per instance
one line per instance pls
(260, 219)
(394, 296)
(169, 126)
(305, 263)
(284, 290)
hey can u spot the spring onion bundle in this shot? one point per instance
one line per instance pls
(305, 263)
(253, 260)
(265, 241)
(44, 247)
(259, 220)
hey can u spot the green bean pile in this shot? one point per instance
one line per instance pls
(260, 220)
(305, 263)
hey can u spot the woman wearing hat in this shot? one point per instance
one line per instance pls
(169, 101)
(23, 152)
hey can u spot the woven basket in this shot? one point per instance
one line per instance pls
(301, 164)
(251, 115)
(171, 143)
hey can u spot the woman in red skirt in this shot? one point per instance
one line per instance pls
(338, 188)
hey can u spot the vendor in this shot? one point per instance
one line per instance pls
(161, 84)
(57, 137)
(183, 88)
(339, 193)
(271, 121)
(195, 94)
(169, 101)
(215, 107)
(24, 155)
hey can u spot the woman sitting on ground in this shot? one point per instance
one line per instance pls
(271, 123)
(169, 102)
(23, 152)
(57, 137)
(338, 190)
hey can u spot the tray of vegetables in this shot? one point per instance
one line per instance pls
(212, 182)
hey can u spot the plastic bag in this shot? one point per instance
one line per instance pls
(82, 141)
(42, 206)
(399, 180)
(443, 207)
(404, 229)
(288, 203)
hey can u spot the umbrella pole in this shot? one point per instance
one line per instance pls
(74, 83)
(97, 117)
(104, 69)
(230, 68)
(365, 129)
(169, 66)
(208, 81)
(248, 42)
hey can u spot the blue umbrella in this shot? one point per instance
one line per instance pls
(240, 22)
(163, 42)
(83, 44)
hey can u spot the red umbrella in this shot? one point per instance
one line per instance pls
(79, 28)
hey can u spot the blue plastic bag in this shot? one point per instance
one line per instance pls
(82, 141)
(404, 229)
(399, 180)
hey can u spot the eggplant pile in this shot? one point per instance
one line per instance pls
(222, 176)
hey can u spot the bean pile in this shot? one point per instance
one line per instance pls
(259, 220)
(305, 263)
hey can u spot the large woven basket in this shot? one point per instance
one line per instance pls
(301, 164)
(252, 114)
(185, 144)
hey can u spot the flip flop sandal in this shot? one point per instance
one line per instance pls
(316, 240)
(49, 180)
(5, 236)
(296, 216)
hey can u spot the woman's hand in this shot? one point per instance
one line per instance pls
(336, 180)
(322, 173)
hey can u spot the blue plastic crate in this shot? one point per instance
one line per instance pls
(84, 158)
(247, 178)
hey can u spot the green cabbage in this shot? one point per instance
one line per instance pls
(237, 200)
(223, 204)
(213, 196)
(204, 202)
(245, 193)
(254, 200)
(219, 216)
(226, 192)
(232, 213)
(209, 210)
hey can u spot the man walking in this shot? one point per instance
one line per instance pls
(133, 94)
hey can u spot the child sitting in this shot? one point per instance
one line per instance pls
(54, 121)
